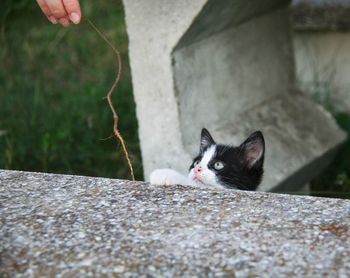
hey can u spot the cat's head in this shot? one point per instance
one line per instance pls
(220, 165)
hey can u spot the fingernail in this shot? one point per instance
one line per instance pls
(75, 18)
(52, 20)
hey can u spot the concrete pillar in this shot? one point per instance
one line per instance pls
(226, 65)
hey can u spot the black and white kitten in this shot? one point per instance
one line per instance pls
(220, 165)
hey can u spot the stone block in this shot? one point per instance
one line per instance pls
(227, 66)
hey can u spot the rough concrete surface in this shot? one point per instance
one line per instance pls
(323, 66)
(70, 226)
(321, 43)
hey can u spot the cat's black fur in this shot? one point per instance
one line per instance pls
(239, 171)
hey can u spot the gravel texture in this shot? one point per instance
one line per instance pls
(71, 226)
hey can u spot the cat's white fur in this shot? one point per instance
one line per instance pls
(203, 178)
(168, 177)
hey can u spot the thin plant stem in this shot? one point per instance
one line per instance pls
(110, 94)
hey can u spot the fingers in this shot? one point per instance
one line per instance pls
(61, 11)
(73, 10)
(57, 9)
(45, 9)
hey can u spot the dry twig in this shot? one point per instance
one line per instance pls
(109, 98)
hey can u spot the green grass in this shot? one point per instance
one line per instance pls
(53, 117)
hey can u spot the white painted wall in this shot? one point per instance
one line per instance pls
(323, 65)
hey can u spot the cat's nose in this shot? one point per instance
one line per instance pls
(198, 169)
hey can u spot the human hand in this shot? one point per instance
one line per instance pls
(61, 11)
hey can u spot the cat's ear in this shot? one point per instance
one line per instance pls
(253, 149)
(206, 140)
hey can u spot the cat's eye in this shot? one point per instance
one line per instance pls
(196, 163)
(218, 165)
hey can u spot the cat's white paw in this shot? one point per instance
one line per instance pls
(167, 177)
(163, 177)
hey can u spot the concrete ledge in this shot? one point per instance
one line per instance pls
(81, 226)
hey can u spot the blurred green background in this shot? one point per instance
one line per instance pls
(53, 117)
